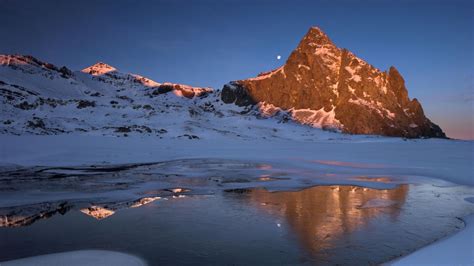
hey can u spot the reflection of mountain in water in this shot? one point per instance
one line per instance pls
(27, 215)
(102, 212)
(322, 215)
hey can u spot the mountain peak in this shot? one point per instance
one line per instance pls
(317, 36)
(316, 30)
(99, 68)
(23, 60)
(329, 87)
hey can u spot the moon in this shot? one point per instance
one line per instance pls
(278, 57)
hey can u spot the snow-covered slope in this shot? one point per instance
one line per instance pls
(41, 98)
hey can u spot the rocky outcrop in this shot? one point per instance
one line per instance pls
(336, 89)
(181, 90)
(233, 92)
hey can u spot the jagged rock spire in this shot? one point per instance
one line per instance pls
(342, 90)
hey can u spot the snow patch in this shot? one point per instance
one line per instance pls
(316, 118)
(377, 106)
(328, 54)
(304, 66)
(298, 77)
(268, 109)
(351, 89)
(266, 75)
(350, 70)
(79, 258)
(453, 250)
(356, 78)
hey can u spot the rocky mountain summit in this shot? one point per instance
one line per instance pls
(325, 86)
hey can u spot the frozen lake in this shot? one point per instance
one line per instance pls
(216, 211)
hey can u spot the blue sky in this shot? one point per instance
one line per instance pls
(208, 43)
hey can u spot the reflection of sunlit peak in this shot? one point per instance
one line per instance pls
(264, 167)
(6, 221)
(323, 214)
(264, 178)
(144, 201)
(378, 203)
(97, 212)
(349, 164)
(178, 190)
(382, 179)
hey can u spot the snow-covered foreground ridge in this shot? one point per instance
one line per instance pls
(457, 249)
(80, 258)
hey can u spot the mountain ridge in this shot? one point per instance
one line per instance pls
(320, 86)
(39, 99)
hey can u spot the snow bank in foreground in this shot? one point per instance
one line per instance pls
(80, 257)
(454, 250)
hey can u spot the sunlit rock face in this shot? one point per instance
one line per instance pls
(329, 87)
(99, 68)
(319, 216)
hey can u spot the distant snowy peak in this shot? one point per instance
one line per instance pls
(333, 88)
(106, 73)
(99, 69)
(23, 60)
(109, 74)
(39, 98)
(31, 65)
